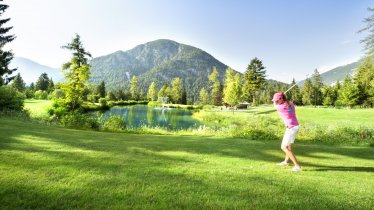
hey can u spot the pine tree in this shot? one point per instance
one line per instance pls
(307, 92)
(348, 94)
(5, 56)
(317, 85)
(364, 77)
(51, 86)
(329, 95)
(18, 83)
(100, 90)
(294, 94)
(43, 82)
(77, 72)
(254, 80)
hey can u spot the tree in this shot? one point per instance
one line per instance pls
(215, 88)
(232, 89)
(111, 96)
(254, 79)
(163, 91)
(204, 96)
(176, 90)
(77, 72)
(349, 93)
(5, 56)
(18, 83)
(152, 92)
(134, 88)
(316, 86)
(294, 94)
(43, 82)
(51, 86)
(368, 41)
(100, 90)
(364, 77)
(307, 92)
(329, 95)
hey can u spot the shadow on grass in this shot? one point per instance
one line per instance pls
(84, 169)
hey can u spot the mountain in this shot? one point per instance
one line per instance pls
(31, 70)
(158, 61)
(337, 74)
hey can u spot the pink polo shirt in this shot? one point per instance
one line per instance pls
(288, 114)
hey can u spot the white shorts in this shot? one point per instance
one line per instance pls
(290, 135)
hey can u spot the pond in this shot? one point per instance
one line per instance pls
(141, 115)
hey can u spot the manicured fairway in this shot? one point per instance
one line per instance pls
(55, 168)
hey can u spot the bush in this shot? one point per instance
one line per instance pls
(79, 121)
(11, 99)
(103, 102)
(114, 123)
(29, 93)
(56, 94)
(41, 95)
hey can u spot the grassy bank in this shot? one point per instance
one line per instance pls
(56, 168)
(328, 125)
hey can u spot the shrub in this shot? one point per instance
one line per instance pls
(11, 99)
(56, 94)
(41, 94)
(79, 121)
(103, 102)
(114, 123)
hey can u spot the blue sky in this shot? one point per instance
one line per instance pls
(291, 37)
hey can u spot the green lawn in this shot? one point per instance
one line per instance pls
(55, 168)
(38, 108)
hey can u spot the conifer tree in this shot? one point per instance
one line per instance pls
(364, 76)
(307, 92)
(43, 82)
(348, 93)
(316, 85)
(18, 83)
(77, 72)
(254, 79)
(5, 56)
(100, 90)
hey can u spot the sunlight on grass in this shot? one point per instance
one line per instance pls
(65, 168)
(38, 108)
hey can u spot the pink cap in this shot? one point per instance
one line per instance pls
(277, 96)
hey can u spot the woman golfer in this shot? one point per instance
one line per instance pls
(286, 110)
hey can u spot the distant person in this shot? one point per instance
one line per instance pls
(286, 110)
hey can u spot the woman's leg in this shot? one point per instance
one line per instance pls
(289, 155)
(286, 159)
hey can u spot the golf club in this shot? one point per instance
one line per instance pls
(295, 84)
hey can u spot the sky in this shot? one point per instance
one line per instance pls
(291, 37)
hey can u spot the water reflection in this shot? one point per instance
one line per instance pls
(141, 115)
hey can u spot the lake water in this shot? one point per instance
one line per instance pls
(141, 115)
